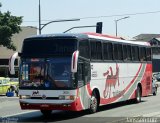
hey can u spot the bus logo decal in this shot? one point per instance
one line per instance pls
(111, 80)
(43, 96)
(35, 93)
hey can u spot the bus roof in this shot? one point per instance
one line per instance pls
(60, 35)
(90, 35)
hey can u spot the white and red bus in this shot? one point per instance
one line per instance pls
(81, 71)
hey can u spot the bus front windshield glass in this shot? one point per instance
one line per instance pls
(46, 73)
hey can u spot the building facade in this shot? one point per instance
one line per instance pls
(5, 53)
(154, 40)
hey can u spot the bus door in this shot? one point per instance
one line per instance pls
(84, 76)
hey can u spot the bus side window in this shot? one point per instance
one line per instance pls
(135, 53)
(125, 52)
(80, 74)
(84, 49)
(110, 51)
(93, 50)
(96, 50)
(118, 55)
(120, 52)
(129, 53)
(87, 72)
(142, 54)
(148, 54)
(115, 49)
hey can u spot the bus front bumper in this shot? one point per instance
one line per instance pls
(73, 106)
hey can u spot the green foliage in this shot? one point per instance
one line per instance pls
(9, 25)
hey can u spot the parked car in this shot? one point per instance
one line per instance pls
(7, 85)
(14, 81)
(157, 76)
(4, 85)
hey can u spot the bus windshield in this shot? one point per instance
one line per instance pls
(50, 73)
(48, 47)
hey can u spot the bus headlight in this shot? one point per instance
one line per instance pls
(67, 97)
(24, 97)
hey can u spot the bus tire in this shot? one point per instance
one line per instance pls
(46, 113)
(138, 95)
(93, 103)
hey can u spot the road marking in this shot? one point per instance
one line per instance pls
(5, 97)
(32, 111)
(12, 115)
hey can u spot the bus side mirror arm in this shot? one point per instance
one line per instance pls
(11, 63)
(74, 61)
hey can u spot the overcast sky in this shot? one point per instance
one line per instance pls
(144, 15)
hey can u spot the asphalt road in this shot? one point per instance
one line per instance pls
(148, 110)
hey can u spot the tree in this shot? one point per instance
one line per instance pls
(9, 25)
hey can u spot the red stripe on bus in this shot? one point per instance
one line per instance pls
(102, 35)
(89, 89)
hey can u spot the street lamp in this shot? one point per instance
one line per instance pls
(119, 20)
(63, 20)
(39, 17)
(98, 27)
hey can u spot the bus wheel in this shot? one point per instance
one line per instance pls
(138, 95)
(94, 103)
(46, 113)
